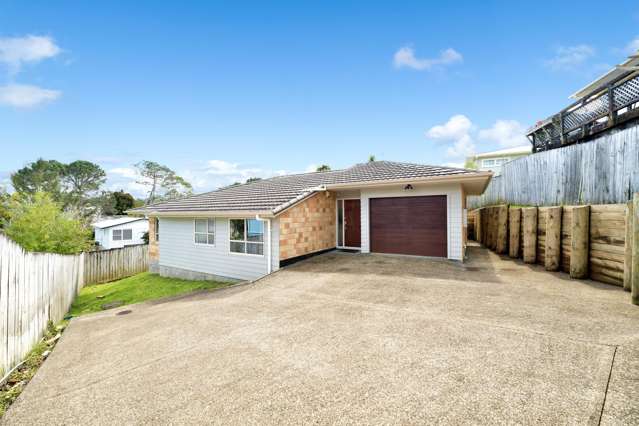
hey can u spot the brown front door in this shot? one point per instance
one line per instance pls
(352, 224)
(409, 225)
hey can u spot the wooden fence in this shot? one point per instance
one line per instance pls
(603, 171)
(594, 241)
(109, 265)
(36, 288)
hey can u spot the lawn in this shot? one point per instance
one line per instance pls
(138, 288)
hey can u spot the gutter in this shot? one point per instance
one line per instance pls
(209, 213)
(443, 179)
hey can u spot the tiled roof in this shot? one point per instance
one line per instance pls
(275, 193)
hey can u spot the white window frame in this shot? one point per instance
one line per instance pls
(209, 220)
(113, 231)
(127, 239)
(489, 162)
(245, 241)
(157, 229)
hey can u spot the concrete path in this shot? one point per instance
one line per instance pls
(345, 338)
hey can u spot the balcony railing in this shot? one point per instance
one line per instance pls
(607, 107)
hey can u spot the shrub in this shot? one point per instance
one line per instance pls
(38, 224)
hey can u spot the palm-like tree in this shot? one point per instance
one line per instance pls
(323, 168)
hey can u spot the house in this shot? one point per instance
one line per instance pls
(120, 232)
(247, 231)
(492, 161)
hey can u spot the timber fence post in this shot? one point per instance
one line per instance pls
(635, 250)
(553, 239)
(514, 224)
(580, 234)
(502, 229)
(529, 216)
(627, 261)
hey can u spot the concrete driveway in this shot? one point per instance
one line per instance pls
(345, 338)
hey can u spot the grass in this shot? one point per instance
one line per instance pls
(19, 378)
(138, 288)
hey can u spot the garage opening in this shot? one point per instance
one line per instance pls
(409, 225)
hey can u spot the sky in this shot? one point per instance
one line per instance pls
(223, 91)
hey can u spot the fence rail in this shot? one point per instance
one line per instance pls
(109, 265)
(604, 171)
(36, 288)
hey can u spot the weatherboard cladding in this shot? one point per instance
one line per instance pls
(269, 194)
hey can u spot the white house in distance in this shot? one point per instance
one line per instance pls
(120, 232)
(492, 161)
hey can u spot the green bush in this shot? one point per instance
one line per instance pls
(38, 223)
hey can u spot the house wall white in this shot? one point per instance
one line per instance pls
(454, 209)
(104, 236)
(179, 254)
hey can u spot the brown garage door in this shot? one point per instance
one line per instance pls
(409, 225)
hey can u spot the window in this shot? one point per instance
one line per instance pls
(204, 231)
(246, 236)
(488, 163)
(157, 229)
(127, 234)
(117, 234)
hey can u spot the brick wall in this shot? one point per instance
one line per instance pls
(154, 247)
(308, 227)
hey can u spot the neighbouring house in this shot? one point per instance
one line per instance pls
(119, 232)
(247, 231)
(492, 161)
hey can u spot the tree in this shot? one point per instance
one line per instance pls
(324, 168)
(82, 178)
(40, 176)
(163, 183)
(123, 201)
(4, 206)
(371, 158)
(253, 179)
(114, 203)
(38, 223)
(470, 164)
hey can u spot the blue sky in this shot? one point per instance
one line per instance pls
(223, 91)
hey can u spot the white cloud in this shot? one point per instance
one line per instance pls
(26, 96)
(507, 133)
(632, 47)
(127, 172)
(16, 51)
(570, 57)
(456, 127)
(459, 135)
(458, 131)
(405, 58)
